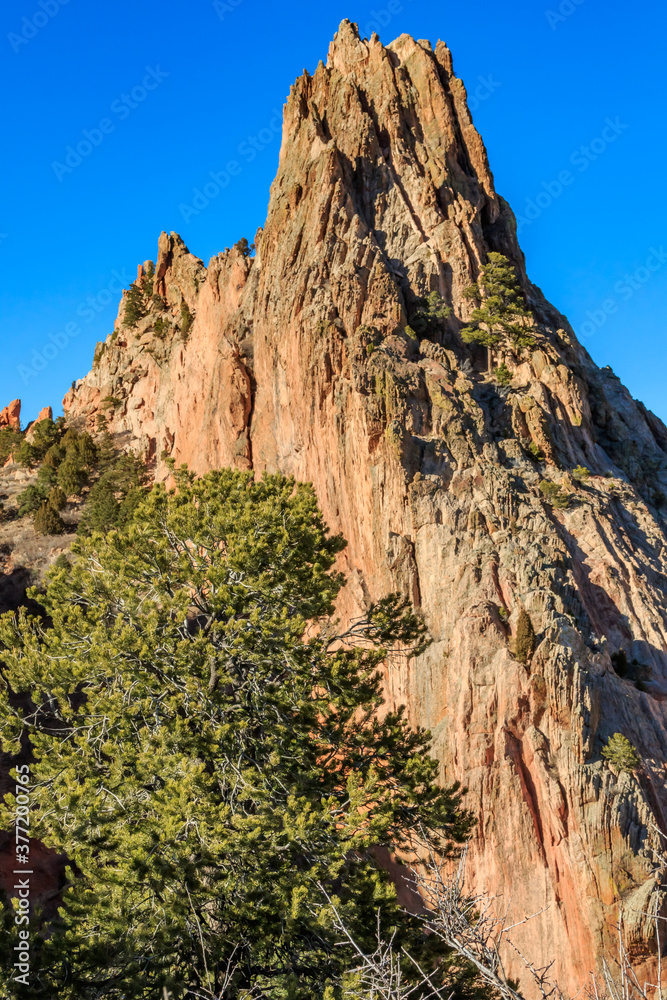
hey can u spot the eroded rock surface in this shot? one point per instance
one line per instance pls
(298, 359)
(10, 416)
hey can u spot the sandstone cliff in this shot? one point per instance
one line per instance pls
(298, 359)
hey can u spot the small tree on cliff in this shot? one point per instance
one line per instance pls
(621, 754)
(427, 318)
(525, 641)
(135, 305)
(208, 755)
(502, 312)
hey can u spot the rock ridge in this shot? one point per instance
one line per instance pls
(302, 359)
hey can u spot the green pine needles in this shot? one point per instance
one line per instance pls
(427, 318)
(501, 316)
(135, 305)
(621, 754)
(208, 750)
(525, 641)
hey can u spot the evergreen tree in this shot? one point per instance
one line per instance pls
(26, 455)
(525, 642)
(621, 754)
(45, 435)
(71, 477)
(115, 496)
(48, 521)
(217, 754)
(187, 319)
(148, 279)
(427, 318)
(245, 248)
(83, 451)
(101, 512)
(47, 477)
(31, 499)
(10, 442)
(57, 498)
(498, 317)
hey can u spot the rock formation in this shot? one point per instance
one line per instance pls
(10, 416)
(302, 359)
(44, 414)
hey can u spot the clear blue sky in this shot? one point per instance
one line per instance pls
(203, 84)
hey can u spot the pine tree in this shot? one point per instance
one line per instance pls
(501, 310)
(57, 498)
(10, 442)
(621, 754)
(31, 499)
(26, 455)
(187, 319)
(135, 306)
(148, 279)
(218, 753)
(525, 641)
(101, 510)
(115, 496)
(48, 521)
(71, 477)
(245, 248)
(45, 435)
(427, 318)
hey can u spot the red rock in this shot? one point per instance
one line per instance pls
(45, 414)
(384, 193)
(11, 415)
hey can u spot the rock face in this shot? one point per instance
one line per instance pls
(298, 359)
(44, 414)
(10, 416)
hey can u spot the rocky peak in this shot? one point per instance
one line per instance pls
(10, 416)
(465, 493)
(46, 413)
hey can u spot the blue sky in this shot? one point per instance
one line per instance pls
(569, 96)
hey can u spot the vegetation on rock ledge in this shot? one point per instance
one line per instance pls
(501, 314)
